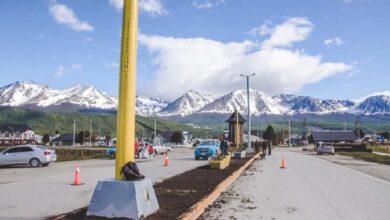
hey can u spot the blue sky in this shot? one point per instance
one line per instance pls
(323, 48)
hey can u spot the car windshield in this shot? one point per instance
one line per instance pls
(207, 143)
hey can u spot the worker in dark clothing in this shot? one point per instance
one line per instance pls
(269, 147)
(224, 147)
(264, 148)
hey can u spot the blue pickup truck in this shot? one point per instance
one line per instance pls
(206, 149)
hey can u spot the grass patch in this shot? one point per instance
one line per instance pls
(370, 157)
(68, 154)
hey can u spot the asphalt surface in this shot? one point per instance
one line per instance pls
(309, 188)
(36, 193)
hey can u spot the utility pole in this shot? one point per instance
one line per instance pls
(13, 136)
(345, 125)
(74, 133)
(90, 134)
(155, 131)
(289, 133)
(249, 148)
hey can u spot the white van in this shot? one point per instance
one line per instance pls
(324, 148)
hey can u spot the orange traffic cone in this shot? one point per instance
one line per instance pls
(166, 160)
(283, 163)
(77, 180)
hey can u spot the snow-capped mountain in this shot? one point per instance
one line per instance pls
(19, 93)
(30, 94)
(187, 104)
(149, 106)
(306, 104)
(260, 104)
(373, 105)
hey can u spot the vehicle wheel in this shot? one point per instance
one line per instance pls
(196, 158)
(45, 164)
(112, 156)
(35, 162)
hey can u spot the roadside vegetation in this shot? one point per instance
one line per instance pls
(370, 157)
(70, 154)
(380, 148)
(102, 123)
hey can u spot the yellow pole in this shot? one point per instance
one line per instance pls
(126, 102)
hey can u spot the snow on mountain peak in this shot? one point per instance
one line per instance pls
(187, 104)
(259, 101)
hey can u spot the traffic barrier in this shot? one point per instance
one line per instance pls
(283, 163)
(77, 179)
(166, 160)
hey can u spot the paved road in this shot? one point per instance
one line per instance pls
(37, 193)
(310, 188)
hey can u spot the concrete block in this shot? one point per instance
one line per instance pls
(123, 199)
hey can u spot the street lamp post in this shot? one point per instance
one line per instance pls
(13, 135)
(249, 148)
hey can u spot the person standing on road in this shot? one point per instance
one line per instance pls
(269, 147)
(224, 147)
(264, 148)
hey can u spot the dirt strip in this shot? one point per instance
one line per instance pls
(187, 194)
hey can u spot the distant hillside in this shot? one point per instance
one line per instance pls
(103, 123)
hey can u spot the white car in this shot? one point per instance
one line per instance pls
(324, 148)
(34, 155)
(161, 149)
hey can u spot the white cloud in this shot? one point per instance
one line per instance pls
(263, 30)
(77, 67)
(334, 42)
(213, 67)
(112, 65)
(293, 30)
(153, 7)
(65, 15)
(60, 71)
(207, 4)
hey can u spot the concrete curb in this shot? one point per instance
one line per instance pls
(196, 210)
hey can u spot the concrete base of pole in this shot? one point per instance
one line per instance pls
(123, 199)
(249, 150)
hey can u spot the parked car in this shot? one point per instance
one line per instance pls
(326, 148)
(111, 151)
(161, 149)
(206, 149)
(34, 155)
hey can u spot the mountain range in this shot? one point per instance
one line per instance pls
(28, 94)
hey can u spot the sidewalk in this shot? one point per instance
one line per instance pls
(309, 188)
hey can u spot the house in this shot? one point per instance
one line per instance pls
(186, 137)
(162, 138)
(63, 140)
(16, 134)
(334, 136)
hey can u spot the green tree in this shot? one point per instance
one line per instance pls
(176, 137)
(269, 134)
(46, 138)
(80, 137)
